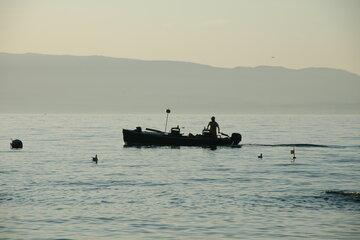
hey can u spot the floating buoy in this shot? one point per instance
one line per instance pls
(293, 153)
(95, 159)
(16, 144)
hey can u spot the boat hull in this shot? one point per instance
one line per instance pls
(143, 138)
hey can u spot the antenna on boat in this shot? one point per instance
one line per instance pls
(167, 116)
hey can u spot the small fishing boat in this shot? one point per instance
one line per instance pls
(153, 137)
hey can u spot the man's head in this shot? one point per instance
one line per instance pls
(213, 118)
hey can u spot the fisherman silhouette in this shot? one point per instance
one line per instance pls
(213, 126)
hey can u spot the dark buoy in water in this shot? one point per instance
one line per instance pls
(260, 156)
(95, 159)
(16, 144)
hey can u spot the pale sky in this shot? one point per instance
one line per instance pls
(228, 33)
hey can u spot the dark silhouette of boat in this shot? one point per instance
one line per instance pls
(153, 137)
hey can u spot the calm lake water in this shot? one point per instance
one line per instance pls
(51, 190)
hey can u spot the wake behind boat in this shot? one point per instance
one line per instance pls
(152, 137)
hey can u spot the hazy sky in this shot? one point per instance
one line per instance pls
(291, 33)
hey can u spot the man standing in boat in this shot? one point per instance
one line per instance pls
(213, 126)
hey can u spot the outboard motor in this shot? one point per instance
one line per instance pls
(236, 138)
(16, 144)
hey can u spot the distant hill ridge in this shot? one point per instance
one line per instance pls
(64, 83)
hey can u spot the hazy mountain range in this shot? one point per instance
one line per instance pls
(52, 83)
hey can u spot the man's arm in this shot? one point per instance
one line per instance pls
(208, 125)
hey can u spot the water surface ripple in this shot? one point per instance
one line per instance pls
(52, 190)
